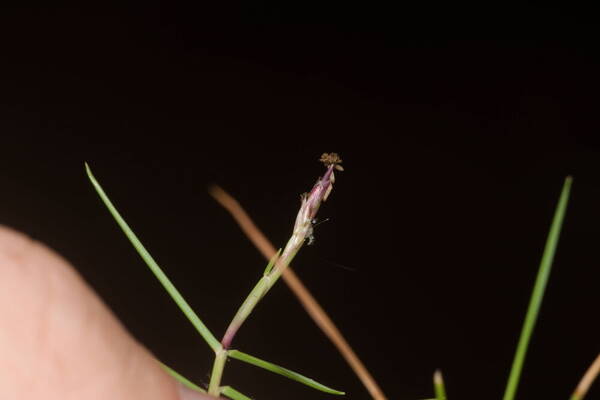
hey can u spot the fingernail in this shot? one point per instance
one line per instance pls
(189, 394)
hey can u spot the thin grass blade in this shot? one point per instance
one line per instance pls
(538, 291)
(238, 355)
(271, 263)
(156, 270)
(233, 394)
(182, 379)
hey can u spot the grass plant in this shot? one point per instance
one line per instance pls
(278, 266)
(303, 227)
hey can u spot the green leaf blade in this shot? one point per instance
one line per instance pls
(238, 355)
(233, 394)
(182, 379)
(538, 291)
(156, 270)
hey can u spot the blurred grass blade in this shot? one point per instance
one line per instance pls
(181, 379)
(233, 394)
(438, 385)
(160, 275)
(588, 378)
(538, 291)
(271, 263)
(238, 355)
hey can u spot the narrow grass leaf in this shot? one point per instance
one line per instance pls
(538, 291)
(238, 355)
(181, 379)
(233, 394)
(271, 263)
(160, 275)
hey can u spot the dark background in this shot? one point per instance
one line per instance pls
(457, 127)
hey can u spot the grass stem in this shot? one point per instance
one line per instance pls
(303, 228)
(217, 373)
(302, 293)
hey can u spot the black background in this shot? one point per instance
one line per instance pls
(457, 127)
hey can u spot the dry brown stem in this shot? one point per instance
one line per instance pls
(587, 380)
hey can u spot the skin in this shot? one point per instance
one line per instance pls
(59, 341)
